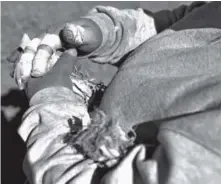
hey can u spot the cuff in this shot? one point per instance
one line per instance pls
(54, 94)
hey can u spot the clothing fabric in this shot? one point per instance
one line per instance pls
(171, 80)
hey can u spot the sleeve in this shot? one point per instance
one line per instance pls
(165, 18)
(189, 151)
(48, 159)
(122, 32)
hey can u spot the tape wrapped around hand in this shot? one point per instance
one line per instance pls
(23, 60)
(72, 35)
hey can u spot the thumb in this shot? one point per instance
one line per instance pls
(64, 65)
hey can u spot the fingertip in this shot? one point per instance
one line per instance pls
(24, 41)
(18, 76)
(20, 83)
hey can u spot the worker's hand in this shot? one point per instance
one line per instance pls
(38, 55)
(59, 75)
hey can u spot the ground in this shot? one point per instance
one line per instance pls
(33, 18)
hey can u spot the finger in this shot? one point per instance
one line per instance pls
(24, 65)
(77, 169)
(24, 41)
(28, 55)
(15, 55)
(54, 58)
(17, 76)
(48, 46)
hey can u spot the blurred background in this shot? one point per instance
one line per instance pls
(34, 18)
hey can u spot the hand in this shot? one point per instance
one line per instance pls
(37, 56)
(82, 172)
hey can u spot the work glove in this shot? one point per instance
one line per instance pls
(109, 142)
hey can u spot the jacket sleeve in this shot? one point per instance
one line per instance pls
(189, 151)
(122, 32)
(165, 18)
(49, 159)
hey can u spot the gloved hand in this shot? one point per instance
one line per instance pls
(59, 75)
(38, 55)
